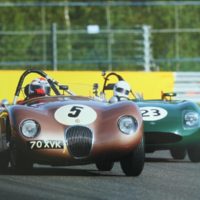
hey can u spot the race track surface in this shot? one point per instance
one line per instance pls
(162, 179)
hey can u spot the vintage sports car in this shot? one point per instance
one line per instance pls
(168, 124)
(63, 129)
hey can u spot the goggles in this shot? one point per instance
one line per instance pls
(122, 90)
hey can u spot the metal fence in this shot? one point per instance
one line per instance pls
(79, 49)
(103, 47)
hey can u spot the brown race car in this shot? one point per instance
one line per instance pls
(62, 130)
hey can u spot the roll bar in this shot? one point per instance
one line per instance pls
(51, 82)
(111, 85)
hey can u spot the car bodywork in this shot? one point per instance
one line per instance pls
(168, 124)
(70, 130)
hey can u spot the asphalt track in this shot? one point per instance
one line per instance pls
(162, 179)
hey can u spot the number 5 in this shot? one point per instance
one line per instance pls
(75, 111)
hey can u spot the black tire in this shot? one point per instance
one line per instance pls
(4, 160)
(194, 153)
(5, 154)
(19, 163)
(133, 163)
(178, 153)
(104, 165)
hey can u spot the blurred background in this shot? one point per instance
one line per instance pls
(100, 35)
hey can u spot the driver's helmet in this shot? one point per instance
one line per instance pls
(121, 89)
(38, 87)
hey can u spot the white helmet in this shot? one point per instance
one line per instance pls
(122, 89)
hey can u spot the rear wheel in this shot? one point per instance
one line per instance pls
(178, 153)
(133, 163)
(104, 165)
(194, 153)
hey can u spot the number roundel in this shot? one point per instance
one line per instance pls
(153, 113)
(75, 114)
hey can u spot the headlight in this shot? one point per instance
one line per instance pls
(127, 125)
(191, 119)
(30, 128)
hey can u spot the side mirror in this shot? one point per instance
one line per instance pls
(103, 73)
(95, 89)
(95, 86)
(164, 95)
(63, 87)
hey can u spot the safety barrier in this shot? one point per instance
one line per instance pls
(150, 84)
(187, 85)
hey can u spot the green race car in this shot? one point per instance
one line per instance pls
(169, 124)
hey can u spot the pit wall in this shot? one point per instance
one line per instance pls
(150, 84)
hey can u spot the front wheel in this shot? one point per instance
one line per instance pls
(19, 163)
(133, 163)
(178, 153)
(4, 160)
(194, 153)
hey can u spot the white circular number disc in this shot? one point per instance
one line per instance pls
(75, 114)
(153, 113)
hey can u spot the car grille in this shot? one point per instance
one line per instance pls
(79, 141)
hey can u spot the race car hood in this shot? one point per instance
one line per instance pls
(63, 111)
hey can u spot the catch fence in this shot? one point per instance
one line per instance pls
(106, 35)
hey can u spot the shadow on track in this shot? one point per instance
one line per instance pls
(165, 160)
(57, 171)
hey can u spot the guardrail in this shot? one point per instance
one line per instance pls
(187, 85)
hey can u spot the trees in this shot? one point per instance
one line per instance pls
(32, 42)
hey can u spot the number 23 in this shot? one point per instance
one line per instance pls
(151, 112)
